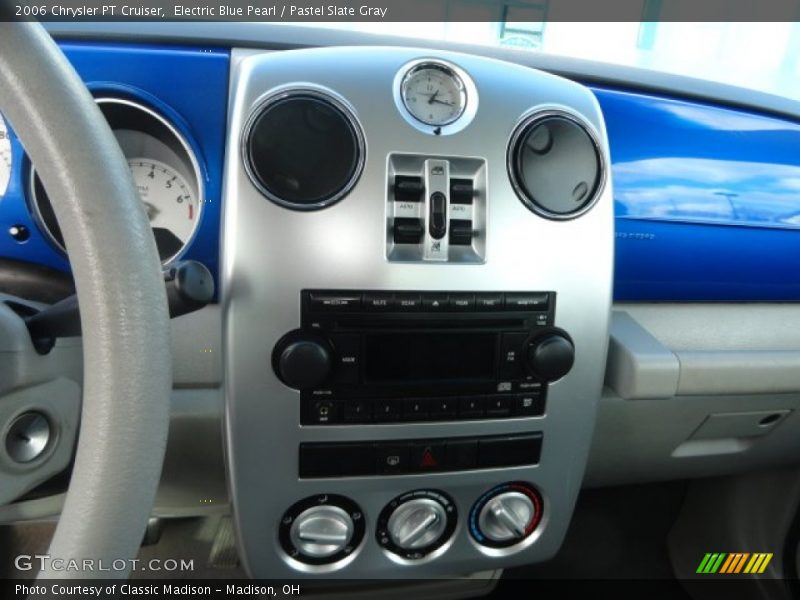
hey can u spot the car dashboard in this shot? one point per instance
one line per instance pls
(452, 290)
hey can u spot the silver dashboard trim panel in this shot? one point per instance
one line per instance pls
(270, 254)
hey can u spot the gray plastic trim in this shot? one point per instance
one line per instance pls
(703, 349)
(639, 366)
(59, 401)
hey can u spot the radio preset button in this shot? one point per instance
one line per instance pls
(527, 301)
(471, 408)
(357, 411)
(415, 409)
(498, 406)
(377, 301)
(462, 302)
(390, 409)
(443, 408)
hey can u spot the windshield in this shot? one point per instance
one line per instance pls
(759, 56)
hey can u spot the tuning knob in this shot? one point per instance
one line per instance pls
(302, 360)
(415, 524)
(322, 530)
(506, 515)
(550, 356)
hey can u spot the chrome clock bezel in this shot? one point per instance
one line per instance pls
(468, 94)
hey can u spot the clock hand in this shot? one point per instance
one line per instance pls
(442, 102)
(432, 99)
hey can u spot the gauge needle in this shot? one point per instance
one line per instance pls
(152, 210)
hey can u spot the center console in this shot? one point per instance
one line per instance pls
(416, 289)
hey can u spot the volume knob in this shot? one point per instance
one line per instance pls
(302, 360)
(551, 356)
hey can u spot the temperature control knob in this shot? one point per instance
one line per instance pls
(302, 360)
(322, 529)
(550, 356)
(506, 515)
(414, 525)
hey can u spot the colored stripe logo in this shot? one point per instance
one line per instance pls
(733, 563)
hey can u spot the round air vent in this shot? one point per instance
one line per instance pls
(303, 150)
(555, 166)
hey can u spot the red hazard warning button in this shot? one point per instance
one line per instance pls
(427, 456)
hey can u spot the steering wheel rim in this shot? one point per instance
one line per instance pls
(127, 375)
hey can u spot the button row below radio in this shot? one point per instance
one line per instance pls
(346, 459)
(430, 301)
(394, 410)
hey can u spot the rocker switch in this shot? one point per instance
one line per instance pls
(438, 217)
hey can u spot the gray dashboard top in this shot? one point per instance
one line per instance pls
(284, 37)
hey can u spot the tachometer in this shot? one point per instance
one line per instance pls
(169, 201)
(164, 169)
(5, 157)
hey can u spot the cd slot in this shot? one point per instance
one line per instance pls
(410, 323)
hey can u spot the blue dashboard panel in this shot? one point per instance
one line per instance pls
(707, 200)
(186, 85)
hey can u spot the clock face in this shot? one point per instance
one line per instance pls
(434, 94)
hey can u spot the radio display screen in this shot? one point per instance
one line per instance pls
(406, 357)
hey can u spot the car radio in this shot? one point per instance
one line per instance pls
(383, 357)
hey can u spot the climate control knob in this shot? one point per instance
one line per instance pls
(550, 356)
(506, 515)
(321, 529)
(416, 524)
(302, 360)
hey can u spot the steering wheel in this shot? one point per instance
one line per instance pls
(127, 375)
